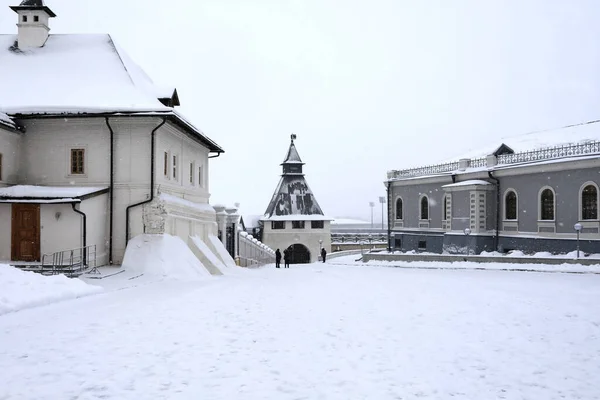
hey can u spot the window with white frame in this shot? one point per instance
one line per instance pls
(589, 202)
(510, 206)
(445, 210)
(200, 176)
(192, 169)
(166, 164)
(77, 162)
(174, 167)
(399, 210)
(547, 205)
(424, 208)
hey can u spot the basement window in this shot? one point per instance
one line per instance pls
(422, 245)
(277, 224)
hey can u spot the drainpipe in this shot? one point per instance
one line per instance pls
(152, 162)
(215, 156)
(497, 208)
(389, 229)
(84, 232)
(112, 192)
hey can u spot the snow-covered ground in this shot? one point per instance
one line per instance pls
(20, 289)
(319, 331)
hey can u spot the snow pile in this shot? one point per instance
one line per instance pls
(163, 256)
(5, 120)
(221, 251)
(22, 289)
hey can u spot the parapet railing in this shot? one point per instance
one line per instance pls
(550, 153)
(252, 252)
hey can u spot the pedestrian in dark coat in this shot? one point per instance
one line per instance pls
(286, 258)
(277, 258)
(323, 253)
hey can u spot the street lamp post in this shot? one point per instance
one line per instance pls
(467, 233)
(371, 204)
(578, 227)
(382, 201)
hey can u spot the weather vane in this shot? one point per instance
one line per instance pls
(293, 136)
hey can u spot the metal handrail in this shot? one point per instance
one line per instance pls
(72, 262)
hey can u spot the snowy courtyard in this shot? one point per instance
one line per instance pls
(319, 331)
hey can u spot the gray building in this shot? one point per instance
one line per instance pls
(526, 200)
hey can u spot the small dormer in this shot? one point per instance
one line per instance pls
(503, 149)
(169, 98)
(33, 23)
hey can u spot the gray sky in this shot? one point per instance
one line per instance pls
(366, 86)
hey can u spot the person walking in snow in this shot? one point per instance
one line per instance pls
(277, 258)
(286, 258)
(323, 253)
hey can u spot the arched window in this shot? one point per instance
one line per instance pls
(547, 205)
(424, 207)
(589, 202)
(399, 214)
(510, 205)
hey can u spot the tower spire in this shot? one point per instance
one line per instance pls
(292, 164)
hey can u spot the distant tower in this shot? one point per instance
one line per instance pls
(293, 218)
(34, 17)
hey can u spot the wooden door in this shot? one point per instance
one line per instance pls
(25, 232)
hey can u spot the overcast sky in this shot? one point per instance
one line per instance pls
(367, 86)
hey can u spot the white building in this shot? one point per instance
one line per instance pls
(92, 152)
(293, 219)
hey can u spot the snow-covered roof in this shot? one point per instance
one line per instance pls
(296, 217)
(80, 74)
(473, 182)
(5, 120)
(572, 134)
(251, 221)
(48, 192)
(349, 221)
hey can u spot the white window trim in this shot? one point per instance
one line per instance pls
(200, 170)
(396, 209)
(428, 208)
(174, 171)
(85, 160)
(192, 177)
(504, 219)
(447, 222)
(592, 183)
(539, 205)
(168, 166)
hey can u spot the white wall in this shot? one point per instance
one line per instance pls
(59, 232)
(282, 238)
(10, 148)
(45, 160)
(96, 210)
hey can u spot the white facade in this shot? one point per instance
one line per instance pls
(312, 239)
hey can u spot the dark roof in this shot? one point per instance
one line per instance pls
(33, 5)
(292, 155)
(292, 195)
(503, 149)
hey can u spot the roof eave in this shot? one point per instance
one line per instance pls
(33, 8)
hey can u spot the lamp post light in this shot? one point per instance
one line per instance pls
(382, 201)
(467, 232)
(578, 228)
(371, 204)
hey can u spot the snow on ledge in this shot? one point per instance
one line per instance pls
(169, 198)
(48, 192)
(474, 182)
(22, 289)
